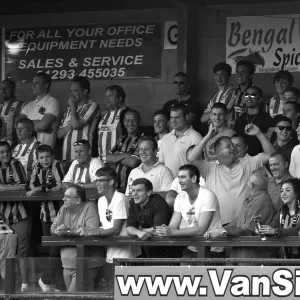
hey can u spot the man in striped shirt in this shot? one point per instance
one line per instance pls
(83, 169)
(15, 214)
(111, 126)
(125, 153)
(80, 119)
(25, 150)
(10, 108)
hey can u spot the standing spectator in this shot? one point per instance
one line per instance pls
(283, 79)
(15, 214)
(44, 111)
(83, 169)
(244, 75)
(79, 120)
(218, 122)
(279, 167)
(175, 144)
(161, 126)
(125, 152)
(254, 115)
(10, 108)
(159, 175)
(181, 86)
(291, 94)
(24, 151)
(295, 158)
(222, 73)
(111, 126)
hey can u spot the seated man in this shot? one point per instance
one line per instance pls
(15, 214)
(125, 153)
(279, 167)
(146, 212)
(259, 204)
(24, 151)
(83, 169)
(159, 175)
(76, 216)
(196, 205)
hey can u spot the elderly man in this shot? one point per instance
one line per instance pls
(76, 216)
(279, 167)
(174, 145)
(44, 111)
(79, 120)
(10, 108)
(258, 203)
(228, 177)
(159, 175)
(83, 169)
(125, 152)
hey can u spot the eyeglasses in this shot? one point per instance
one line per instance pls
(288, 128)
(252, 96)
(178, 82)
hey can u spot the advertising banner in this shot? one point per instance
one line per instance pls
(196, 282)
(98, 52)
(272, 43)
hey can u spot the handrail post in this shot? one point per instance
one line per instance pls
(10, 276)
(82, 270)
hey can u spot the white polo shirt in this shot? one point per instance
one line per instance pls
(295, 162)
(172, 152)
(37, 109)
(159, 175)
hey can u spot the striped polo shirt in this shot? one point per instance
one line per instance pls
(110, 129)
(274, 106)
(9, 110)
(126, 144)
(25, 153)
(51, 178)
(13, 173)
(89, 113)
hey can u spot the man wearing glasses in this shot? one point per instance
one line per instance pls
(83, 169)
(254, 115)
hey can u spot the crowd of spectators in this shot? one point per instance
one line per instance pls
(178, 182)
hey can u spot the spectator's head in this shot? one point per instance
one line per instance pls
(131, 121)
(253, 97)
(44, 155)
(291, 94)
(179, 116)
(83, 151)
(41, 84)
(278, 164)
(181, 84)
(218, 114)
(222, 73)
(7, 89)
(225, 150)
(290, 192)
(282, 80)
(141, 190)
(24, 129)
(240, 145)
(244, 72)
(189, 149)
(283, 129)
(114, 96)
(148, 150)
(5, 153)
(258, 182)
(291, 110)
(74, 197)
(188, 177)
(161, 122)
(80, 88)
(106, 180)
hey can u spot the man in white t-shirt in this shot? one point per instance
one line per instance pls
(196, 205)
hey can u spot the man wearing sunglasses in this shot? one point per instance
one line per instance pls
(254, 115)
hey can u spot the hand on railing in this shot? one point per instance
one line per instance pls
(265, 229)
(163, 231)
(214, 233)
(143, 235)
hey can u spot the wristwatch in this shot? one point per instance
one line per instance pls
(276, 232)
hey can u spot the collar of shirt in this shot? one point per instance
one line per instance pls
(86, 164)
(187, 132)
(235, 163)
(32, 140)
(141, 166)
(43, 99)
(287, 176)
(251, 198)
(287, 145)
(249, 85)
(187, 97)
